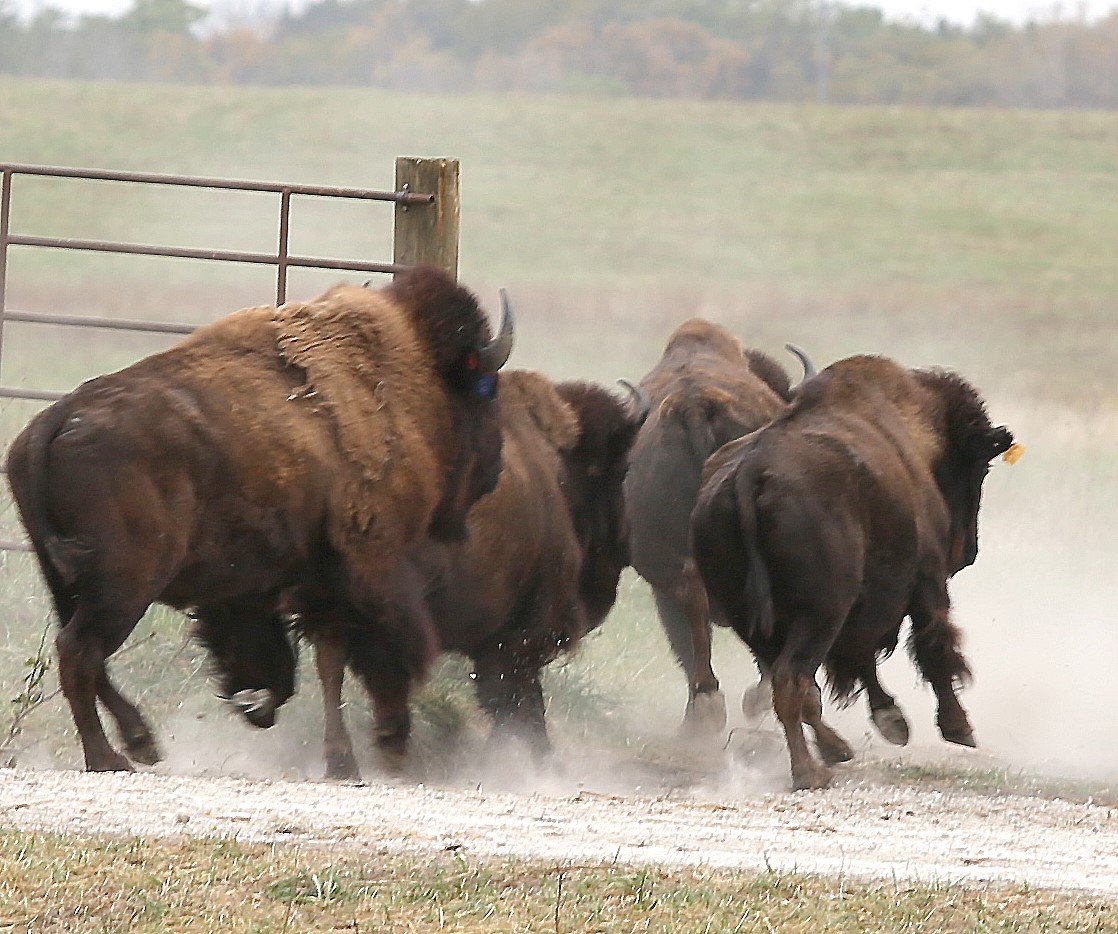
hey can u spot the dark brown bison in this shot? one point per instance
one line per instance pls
(706, 390)
(819, 533)
(538, 569)
(267, 449)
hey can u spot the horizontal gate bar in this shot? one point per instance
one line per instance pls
(6, 545)
(45, 395)
(91, 321)
(194, 181)
(228, 256)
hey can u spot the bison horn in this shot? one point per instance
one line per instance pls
(805, 360)
(495, 354)
(640, 399)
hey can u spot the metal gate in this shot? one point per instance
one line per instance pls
(425, 230)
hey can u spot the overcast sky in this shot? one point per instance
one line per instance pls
(958, 11)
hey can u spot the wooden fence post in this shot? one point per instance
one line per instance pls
(427, 233)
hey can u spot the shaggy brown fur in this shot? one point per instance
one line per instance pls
(271, 447)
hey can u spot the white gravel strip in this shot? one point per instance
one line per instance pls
(856, 830)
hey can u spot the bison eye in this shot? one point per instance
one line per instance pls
(486, 386)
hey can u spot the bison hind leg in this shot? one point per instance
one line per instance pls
(791, 693)
(135, 733)
(832, 747)
(685, 618)
(81, 671)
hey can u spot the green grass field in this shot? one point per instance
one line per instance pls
(144, 886)
(976, 239)
(980, 240)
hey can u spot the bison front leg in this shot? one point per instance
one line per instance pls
(934, 644)
(392, 722)
(392, 647)
(514, 700)
(886, 715)
(337, 747)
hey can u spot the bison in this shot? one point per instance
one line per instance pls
(817, 535)
(273, 448)
(706, 390)
(538, 569)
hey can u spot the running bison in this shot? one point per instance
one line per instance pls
(266, 450)
(705, 391)
(537, 571)
(819, 533)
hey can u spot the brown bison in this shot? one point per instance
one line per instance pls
(706, 390)
(268, 449)
(538, 569)
(819, 533)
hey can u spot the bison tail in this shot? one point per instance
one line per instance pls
(725, 547)
(62, 558)
(757, 590)
(699, 428)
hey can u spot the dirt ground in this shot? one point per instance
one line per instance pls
(861, 827)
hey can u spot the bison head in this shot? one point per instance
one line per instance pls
(970, 444)
(455, 331)
(594, 474)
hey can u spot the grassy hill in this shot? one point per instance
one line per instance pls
(933, 235)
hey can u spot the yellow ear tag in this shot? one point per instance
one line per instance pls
(1013, 453)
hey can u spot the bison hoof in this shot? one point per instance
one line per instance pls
(110, 762)
(144, 750)
(963, 737)
(891, 724)
(810, 777)
(757, 701)
(706, 714)
(391, 763)
(342, 767)
(834, 749)
(258, 707)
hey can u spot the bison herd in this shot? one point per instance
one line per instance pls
(359, 473)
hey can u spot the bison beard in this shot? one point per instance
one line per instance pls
(818, 534)
(538, 570)
(275, 447)
(706, 390)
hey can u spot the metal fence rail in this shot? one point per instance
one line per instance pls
(425, 231)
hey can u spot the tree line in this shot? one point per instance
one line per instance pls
(784, 50)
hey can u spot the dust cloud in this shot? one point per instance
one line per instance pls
(1037, 609)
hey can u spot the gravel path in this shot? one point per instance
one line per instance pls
(854, 829)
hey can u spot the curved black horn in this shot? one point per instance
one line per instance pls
(495, 354)
(805, 360)
(640, 398)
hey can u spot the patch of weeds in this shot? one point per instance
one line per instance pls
(995, 781)
(324, 886)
